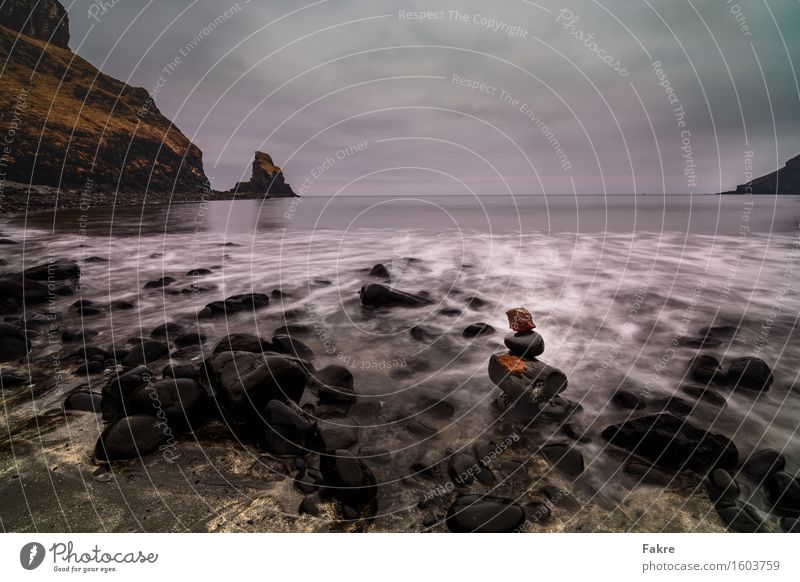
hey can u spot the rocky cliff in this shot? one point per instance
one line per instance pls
(785, 180)
(267, 178)
(64, 123)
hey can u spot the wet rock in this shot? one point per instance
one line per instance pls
(248, 301)
(462, 469)
(537, 512)
(790, 524)
(750, 373)
(14, 345)
(526, 381)
(477, 303)
(423, 333)
(526, 345)
(628, 400)
(478, 329)
(129, 438)
(380, 271)
(349, 480)
(484, 514)
(77, 335)
(286, 432)
(705, 368)
(366, 411)
(719, 331)
(293, 330)
(561, 498)
(117, 392)
(180, 401)
(246, 382)
(242, 342)
(84, 402)
(93, 367)
(311, 505)
(722, 485)
(191, 371)
(706, 395)
(337, 433)
(520, 320)
(12, 380)
(8, 241)
(698, 342)
(421, 429)
(437, 408)
(450, 312)
(159, 283)
(674, 443)
(294, 347)
(673, 404)
(565, 458)
(783, 492)
(335, 384)
(55, 271)
(199, 272)
(190, 338)
(122, 305)
(648, 474)
(761, 464)
(145, 353)
(308, 480)
(169, 328)
(377, 295)
(18, 290)
(742, 518)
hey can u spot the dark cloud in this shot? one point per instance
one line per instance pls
(302, 86)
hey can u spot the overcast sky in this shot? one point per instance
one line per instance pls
(566, 102)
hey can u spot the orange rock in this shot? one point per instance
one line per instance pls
(512, 364)
(520, 319)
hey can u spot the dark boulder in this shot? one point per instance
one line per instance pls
(16, 291)
(526, 344)
(783, 492)
(147, 352)
(117, 392)
(11, 380)
(14, 345)
(627, 400)
(565, 458)
(242, 342)
(761, 464)
(705, 368)
(337, 433)
(484, 514)
(192, 371)
(166, 329)
(526, 381)
(178, 401)
(199, 272)
(423, 333)
(159, 283)
(285, 431)
(722, 485)
(478, 329)
(750, 373)
(55, 271)
(84, 402)
(741, 518)
(294, 347)
(349, 480)
(190, 338)
(674, 443)
(377, 295)
(380, 271)
(706, 395)
(334, 384)
(129, 438)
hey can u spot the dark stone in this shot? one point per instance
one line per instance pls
(706, 395)
(145, 353)
(560, 498)
(537, 512)
(55, 271)
(308, 480)
(462, 469)
(741, 518)
(334, 384)
(18, 290)
(242, 342)
(673, 404)
(790, 524)
(783, 492)
(293, 347)
(380, 271)
(199, 272)
(526, 344)
(478, 329)
(722, 484)
(286, 432)
(565, 458)
(705, 368)
(92, 367)
(248, 301)
(336, 434)
(484, 514)
(674, 443)
(423, 333)
(14, 345)
(191, 371)
(349, 480)
(419, 428)
(122, 305)
(84, 402)
(179, 400)
(118, 391)
(159, 283)
(477, 303)
(165, 329)
(697, 343)
(450, 312)
(436, 408)
(526, 381)
(11, 380)
(78, 335)
(377, 295)
(761, 464)
(627, 400)
(129, 438)
(750, 373)
(719, 331)
(311, 505)
(190, 338)
(293, 330)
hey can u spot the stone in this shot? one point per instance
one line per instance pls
(520, 320)
(674, 443)
(761, 464)
(719, 331)
(462, 469)
(191, 371)
(180, 400)
(704, 368)
(77, 335)
(335, 384)
(565, 458)
(673, 404)
(790, 524)
(706, 395)
(478, 329)
(421, 429)
(437, 408)
(349, 480)
(19, 290)
(308, 480)
(12, 380)
(14, 344)
(722, 484)
(337, 433)
(117, 392)
(242, 342)
(450, 312)
(129, 438)
(169, 328)
(750, 373)
(55, 271)
(526, 344)
(190, 338)
(628, 400)
(380, 271)
(92, 367)
(293, 347)
(311, 505)
(484, 514)
(159, 283)
(537, 512)
(561, 498)
(147, 352)
(526, 381)
(377, 295)
(286, 432)
(697, 343)
(199, 272)
(477, 303)
(423, 333)
(783, 492)
(742, 518)
(84, 402)
(249, 301)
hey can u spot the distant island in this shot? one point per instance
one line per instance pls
(785, 180)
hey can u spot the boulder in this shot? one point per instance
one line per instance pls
(380, 271)
(14, 344)
(129, 438)
(180, 401)
(627, 400)
(349, 480)
(334, 384)
(484, 514)
(749, 373)
(741, 518)
(84, 402)
(673, 443)
(526, 381)
(294, 347)
(11, 380)
(377, 295)
(18, 290)
(285, 432)
(145, 353)
(706, 395)
(761, 464)
(117, 392)
(526, 344)
(55, 271)
(477, 329)
(242, 342)
(165, 329)
(337, 433)
(160, 283)
(705, 368)
(783, 492)
(565, 458)
(423, 333)
(190, 338)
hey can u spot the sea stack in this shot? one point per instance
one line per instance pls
(267, 179)
(518, 372)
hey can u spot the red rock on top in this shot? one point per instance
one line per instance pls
(520, 319)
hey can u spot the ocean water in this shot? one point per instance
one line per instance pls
(615, 285)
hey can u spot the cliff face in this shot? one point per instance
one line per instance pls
(786, 180)
(267, 179)
(65, 123)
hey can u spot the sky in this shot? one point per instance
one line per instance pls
(373, 97)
